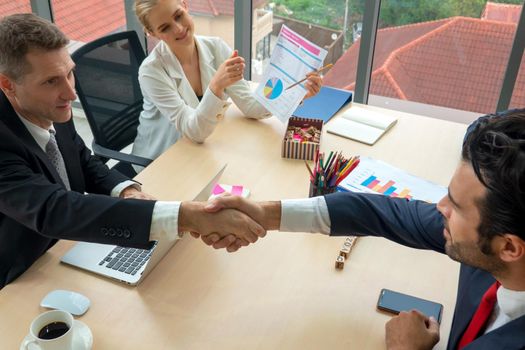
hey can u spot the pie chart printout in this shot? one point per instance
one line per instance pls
(273, 88)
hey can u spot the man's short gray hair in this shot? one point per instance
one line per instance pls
(21, 33)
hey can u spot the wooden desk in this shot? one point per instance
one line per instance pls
(281, 293)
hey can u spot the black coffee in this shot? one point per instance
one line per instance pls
(53, 330)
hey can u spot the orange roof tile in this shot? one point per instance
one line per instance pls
(79, 20)
(89, 20)
(203, 6)
(457, 62)
(217, 7)
(388, 40)
(501, 12)
(12, 7)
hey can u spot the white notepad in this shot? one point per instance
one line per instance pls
(361, 125)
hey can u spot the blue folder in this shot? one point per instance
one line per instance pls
(325, 104)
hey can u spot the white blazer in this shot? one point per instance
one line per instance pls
(171, 107)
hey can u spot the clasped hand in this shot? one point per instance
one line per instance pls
(229, 222)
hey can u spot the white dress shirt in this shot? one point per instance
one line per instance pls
(311, 215)
(510, 305)
(171, 108)
(164, 221)
(305, 215)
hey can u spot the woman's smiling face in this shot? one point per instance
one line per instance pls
(170, 22)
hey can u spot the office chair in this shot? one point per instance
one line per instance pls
(107, 85)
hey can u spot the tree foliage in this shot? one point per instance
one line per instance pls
(330, 13)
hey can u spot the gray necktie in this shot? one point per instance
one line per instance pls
(55, 156)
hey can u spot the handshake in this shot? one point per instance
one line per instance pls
(229, 222)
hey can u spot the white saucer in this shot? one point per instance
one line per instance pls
(82, 337)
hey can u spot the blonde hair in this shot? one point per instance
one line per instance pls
(142, 9)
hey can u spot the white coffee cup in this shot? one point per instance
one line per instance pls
(62, 342)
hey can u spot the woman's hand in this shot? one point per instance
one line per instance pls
(228, 73)
(313, 84)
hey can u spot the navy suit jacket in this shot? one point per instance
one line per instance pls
(420, 225)
(36, 210)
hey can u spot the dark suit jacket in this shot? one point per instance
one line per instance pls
(419, 225)
(36, 209)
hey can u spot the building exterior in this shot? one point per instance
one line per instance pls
(457, 62)
(86, 20)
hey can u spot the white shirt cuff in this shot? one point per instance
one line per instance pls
(115, 192)
(305, 215)
(165, 220)
(212, 107)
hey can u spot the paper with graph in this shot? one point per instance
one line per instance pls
(292, 58)
(375, 176)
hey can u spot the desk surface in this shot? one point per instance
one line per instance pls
(281, 293)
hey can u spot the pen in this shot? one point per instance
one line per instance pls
(329, 65)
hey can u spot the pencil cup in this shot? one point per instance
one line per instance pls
(320, 191)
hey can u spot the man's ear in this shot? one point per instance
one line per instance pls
(7, 85)
(184, 4)
(511, 248)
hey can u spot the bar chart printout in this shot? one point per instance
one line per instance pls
(374, 176)
(292, 58)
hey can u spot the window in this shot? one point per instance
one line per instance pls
(9, 7)
(85, 21)
(518, 96)
(211, 18)
(448, 53)
(320, 21)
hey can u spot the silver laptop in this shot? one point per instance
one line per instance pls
(129, 265)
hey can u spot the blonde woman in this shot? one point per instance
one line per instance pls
(186, 80)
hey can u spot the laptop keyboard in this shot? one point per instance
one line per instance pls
(127, 260)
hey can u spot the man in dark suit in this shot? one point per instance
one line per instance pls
(480, 223)
(51, 187)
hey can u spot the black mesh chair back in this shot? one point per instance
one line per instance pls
(108, 88)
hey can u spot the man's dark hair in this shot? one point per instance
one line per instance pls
(22, 32)
(495, 147)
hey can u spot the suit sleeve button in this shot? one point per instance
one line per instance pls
(127, 233)
(112, 232)
(104, 231)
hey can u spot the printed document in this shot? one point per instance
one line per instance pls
(292, 58)
(375, 176)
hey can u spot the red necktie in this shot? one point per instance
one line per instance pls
(480, 318)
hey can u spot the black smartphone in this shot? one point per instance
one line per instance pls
(396, 302)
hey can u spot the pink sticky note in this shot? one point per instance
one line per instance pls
(217, 190)
(237, 190)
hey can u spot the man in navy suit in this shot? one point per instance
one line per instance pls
(51, 187)
(480, 223)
